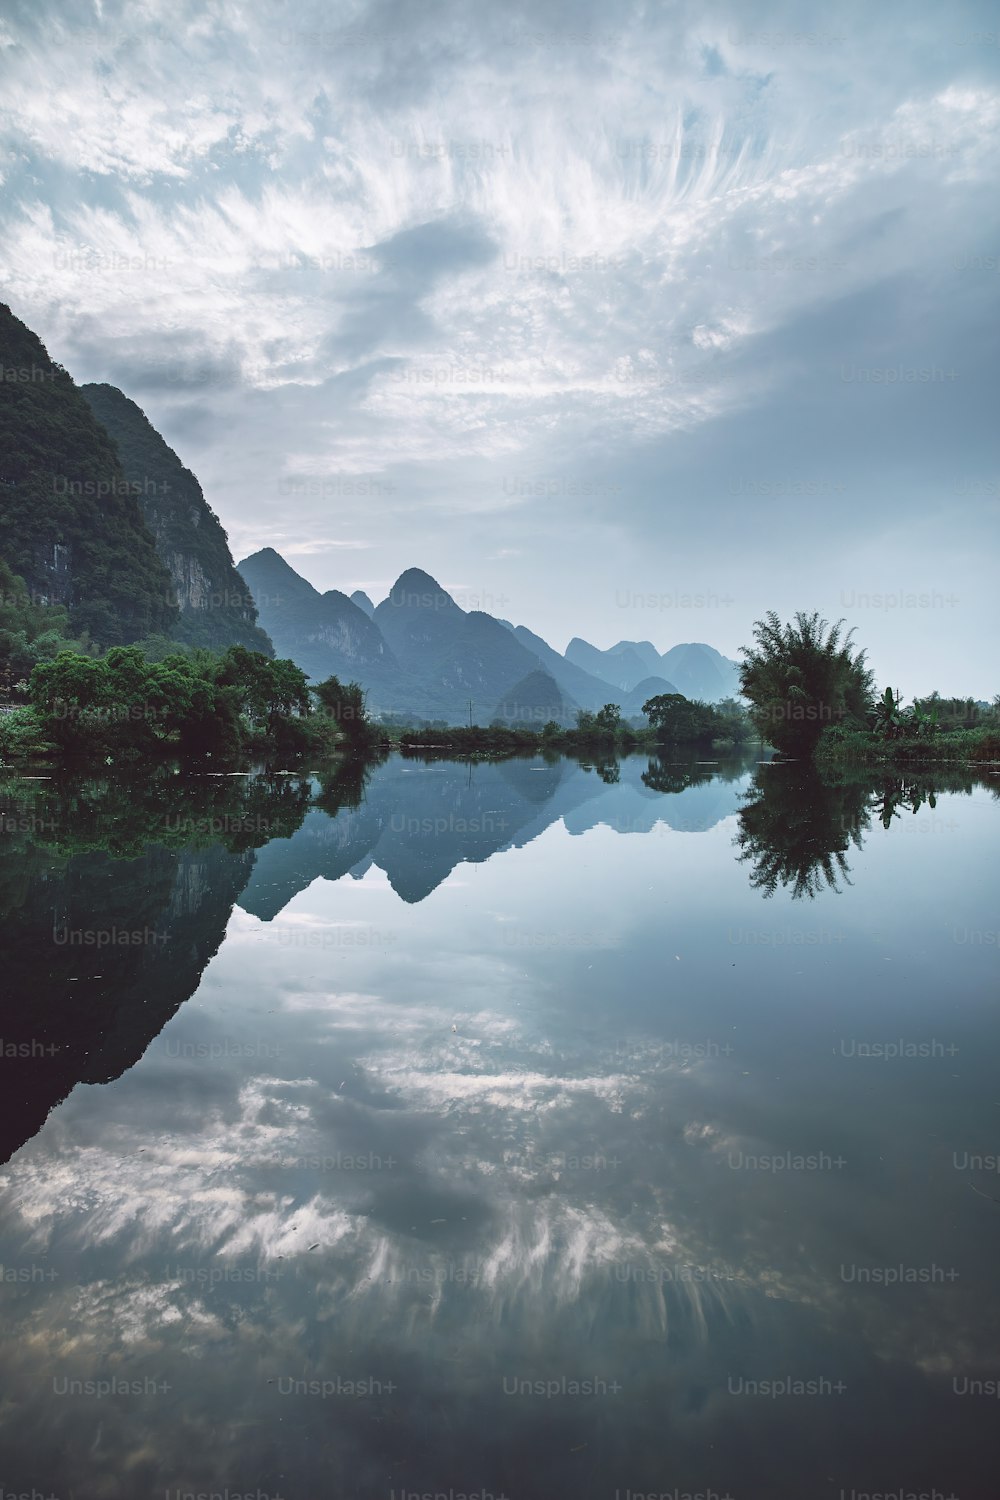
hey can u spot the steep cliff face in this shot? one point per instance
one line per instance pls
(216, 606)
(70, 520)
(52, 571)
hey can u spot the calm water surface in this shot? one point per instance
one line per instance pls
(525, 1129)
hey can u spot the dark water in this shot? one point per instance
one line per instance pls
(514, 1129)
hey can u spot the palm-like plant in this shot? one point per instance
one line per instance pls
(802, 677)
(887, 721)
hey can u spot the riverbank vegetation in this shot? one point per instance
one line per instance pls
(811, 695)
(807, 693)
(199, 705)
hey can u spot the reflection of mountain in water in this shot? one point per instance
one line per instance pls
(114, 896)
(75, 1012)
(417, 820)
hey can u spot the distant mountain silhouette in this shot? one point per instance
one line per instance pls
(324, 633)
(451, 656)
(622, 665)
(650, 687)
(533, 702)
(697, 670)
(701, 672)
(581, 686)
(420, 656)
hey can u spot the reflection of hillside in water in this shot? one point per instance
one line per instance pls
(113, 901)
(170, 857)
(546, 1192)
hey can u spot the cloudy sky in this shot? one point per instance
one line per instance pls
(624, 322)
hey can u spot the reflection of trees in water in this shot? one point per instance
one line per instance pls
(664, 776)
(123, 815)
(912, 792)
(676, 775)
(344, 785)
(797, 827)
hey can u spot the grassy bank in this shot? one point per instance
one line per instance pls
(974, 747)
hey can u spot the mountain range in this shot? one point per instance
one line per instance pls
(421, 656)
(100, 516)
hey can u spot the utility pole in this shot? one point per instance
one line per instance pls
(470, 713)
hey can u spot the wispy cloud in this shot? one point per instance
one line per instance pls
(434, 252)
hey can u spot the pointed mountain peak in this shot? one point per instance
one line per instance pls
(271, 562)
(416, 589)
(361, 599)
(266, 571)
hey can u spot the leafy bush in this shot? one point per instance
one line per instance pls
(21, 736)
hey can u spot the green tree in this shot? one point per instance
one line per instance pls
(268, 691)
(734, 721)
(345, 704)
(681, 720)
(71, 695)
(801, 678)
(609, 719)
(29, 632)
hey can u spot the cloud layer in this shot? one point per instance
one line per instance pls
(591, 309)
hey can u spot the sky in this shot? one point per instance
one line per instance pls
(626, 322)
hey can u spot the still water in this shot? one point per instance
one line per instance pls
(523, 1129)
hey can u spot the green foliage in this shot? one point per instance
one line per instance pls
(685, 721)
(733, 721)
(266, 690)
(345, 705)
(192, 703)
(609, 718)
(802, 678)
(70, 523)
(886, 719)
(958, 713)
(30, 632)
(21, 736)
(851, 745)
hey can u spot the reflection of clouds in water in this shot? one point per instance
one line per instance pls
(482, 1210)
(449, 1091)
